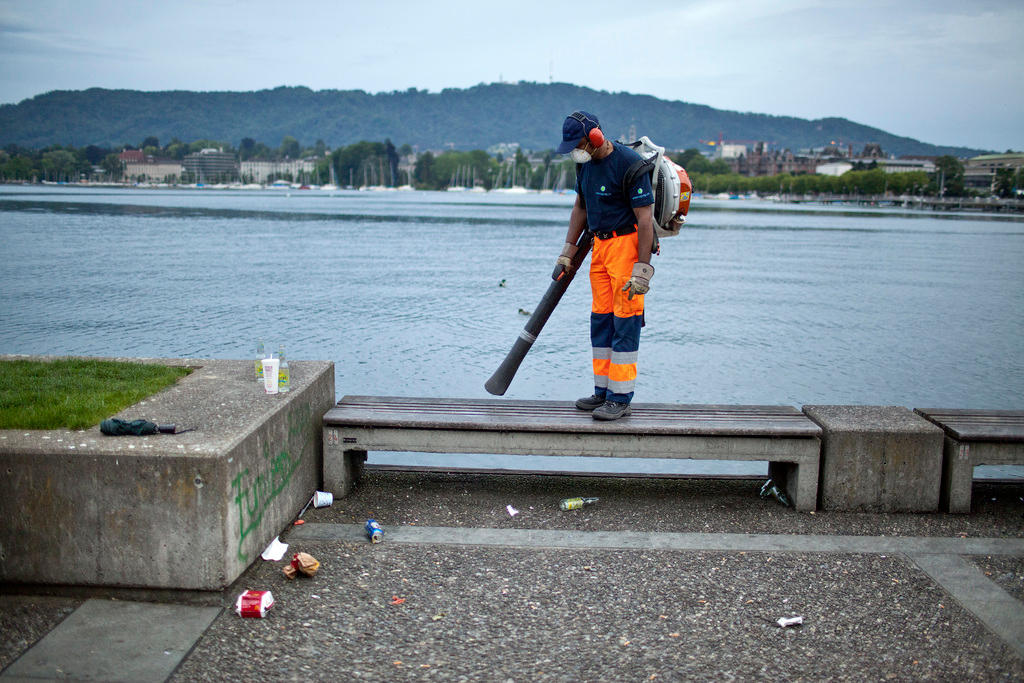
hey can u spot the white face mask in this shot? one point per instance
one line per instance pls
(580, 156)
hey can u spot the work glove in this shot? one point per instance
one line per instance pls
(564, 261)
(640, 281)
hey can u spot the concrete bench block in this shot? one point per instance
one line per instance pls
(878, 458)
(184, 511)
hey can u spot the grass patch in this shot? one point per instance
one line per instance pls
(75, 393)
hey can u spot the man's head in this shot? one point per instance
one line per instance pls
(578, 127)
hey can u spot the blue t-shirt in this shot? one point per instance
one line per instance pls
(599, 184)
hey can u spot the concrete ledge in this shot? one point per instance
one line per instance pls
(879, 458)
(183, 511)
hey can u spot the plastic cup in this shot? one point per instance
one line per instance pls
(322, 499)
(270, 366)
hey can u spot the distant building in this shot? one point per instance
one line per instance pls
(762, 161)
(505, 149)
(830, 151)
(264, 172)
(133, 156)
(211, 166)
(138, 167)
(835, 168)
(730, 151)
(872, 156)
(906, 165)
(872, 150)
(980, 172)
(832, 160)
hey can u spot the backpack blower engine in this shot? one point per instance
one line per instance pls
(670, 183)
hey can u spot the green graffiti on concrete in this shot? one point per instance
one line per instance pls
(255, 491)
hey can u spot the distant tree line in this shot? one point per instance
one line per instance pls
(381, 163)
(455, 118)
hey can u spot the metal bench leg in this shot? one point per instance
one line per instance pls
(957, 477)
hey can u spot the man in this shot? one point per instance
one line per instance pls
(621, 219)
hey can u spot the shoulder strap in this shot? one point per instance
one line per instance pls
(636, 169)
(633, 173)
(579, 172)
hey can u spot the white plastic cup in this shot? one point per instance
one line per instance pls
(270, 366)
(322, 499)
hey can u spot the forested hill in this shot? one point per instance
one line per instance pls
(530, 114)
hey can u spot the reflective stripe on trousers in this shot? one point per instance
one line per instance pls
(615, 320)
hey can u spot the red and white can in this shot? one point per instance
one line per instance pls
(254, 604)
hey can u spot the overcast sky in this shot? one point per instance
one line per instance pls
(942, 71)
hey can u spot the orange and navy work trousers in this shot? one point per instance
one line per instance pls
(615, 320)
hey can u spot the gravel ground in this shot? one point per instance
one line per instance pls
(517, 614)
(635, 504)
(402, 612)
(513, 614)
(1006, 572)
(24, 619)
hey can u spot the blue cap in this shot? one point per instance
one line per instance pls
(576, 127)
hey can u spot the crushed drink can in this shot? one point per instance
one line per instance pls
(374, 531)
(254, 604)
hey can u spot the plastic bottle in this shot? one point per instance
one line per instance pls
(260, 355)
(283, 376)
(576, 503)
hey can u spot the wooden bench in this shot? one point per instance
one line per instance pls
(974, 437)
(781, 435)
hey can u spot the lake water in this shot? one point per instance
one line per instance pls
(754, 303)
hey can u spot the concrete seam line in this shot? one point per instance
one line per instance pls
(722, 542)
(999, 611)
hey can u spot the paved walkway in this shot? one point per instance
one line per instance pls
(442, 602)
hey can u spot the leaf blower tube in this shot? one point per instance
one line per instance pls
(502, 377)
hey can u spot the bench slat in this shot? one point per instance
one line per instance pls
(978, 425)
(560, 416)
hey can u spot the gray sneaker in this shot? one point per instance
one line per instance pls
(611, 411)
(590, 402)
